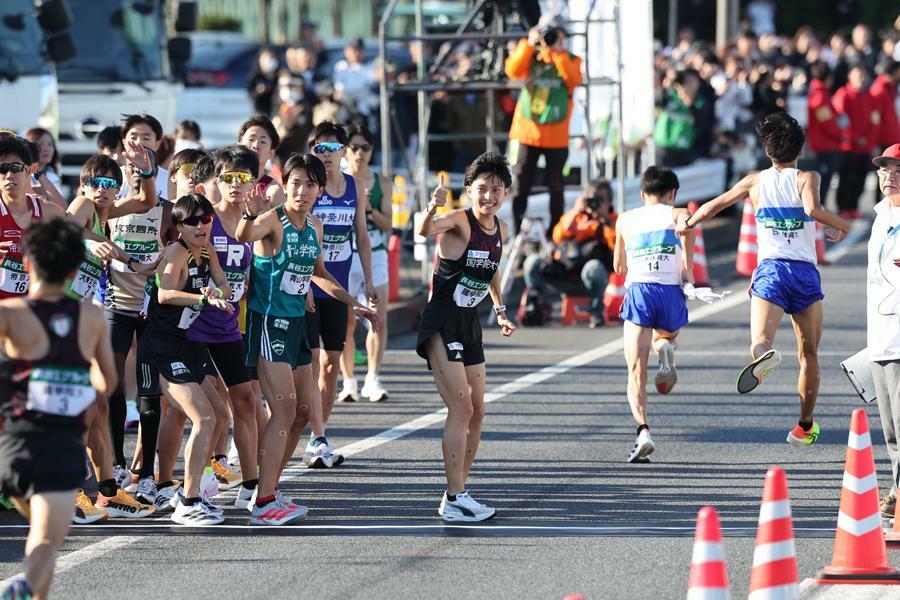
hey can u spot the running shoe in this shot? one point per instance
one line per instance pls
(216, 510)
(350, 393)
(209, 485)
(466, 509)
(234, 459)
(178, 499)
(442, 505)
(666, 375)
(86, 513)
(5, 504)
(753, 374)
(335, 455)
(317, 457)
(888, 506)
(146, 491)
(245, 497)
(280, 497)
(798, 437)
(196, 515)
(643, 447)
(123, 506)
(360, 357)
(226, 478)
(17, 590)
(373, 390)
(122, 476)
(275, 513)
(131, 487)
(163, 499)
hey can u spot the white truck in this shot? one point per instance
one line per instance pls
(124, 64)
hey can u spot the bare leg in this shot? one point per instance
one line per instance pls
(168, 445)
(191, 399)
(51, 516)
(348, 355)
(376, 341)
(637, 352)
(219, 404)
(764, 320)
(99, 441)
(808, 329)
(476, 376)
(244, 406)
(220, 447)
(308, 398)
(278, 386)
(328, 375)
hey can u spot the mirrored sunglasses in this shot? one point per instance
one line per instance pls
(187, 168)
(103, 183)
(194, 220)
(6, 168)
(361, 147)
(327, 147)
(231, 177)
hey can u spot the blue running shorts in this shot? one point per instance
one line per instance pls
(794, 285)
(655, 305)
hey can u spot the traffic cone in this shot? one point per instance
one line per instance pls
(701, 273)
(860, 555)
(746, 252)
(820, 244)
(709, 577)
(614, 296)
(774, 575)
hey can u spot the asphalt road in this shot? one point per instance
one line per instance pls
(572, 515)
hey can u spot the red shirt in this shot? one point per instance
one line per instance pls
(884, 93)
(13, 278)
(822, 130)
(859, 106)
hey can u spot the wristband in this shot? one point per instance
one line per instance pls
(130, 262)
(247, 216)
(498, 310)
(203, 300)
(40, 173)
(146, 174)
(221, 293)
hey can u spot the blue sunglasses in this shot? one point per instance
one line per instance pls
(327, 147)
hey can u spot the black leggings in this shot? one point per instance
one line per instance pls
(150, 414)
(526, 168)
(123, 327)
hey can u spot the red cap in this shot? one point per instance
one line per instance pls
(891, 153)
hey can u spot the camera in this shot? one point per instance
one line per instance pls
(549, 35)
(594, 202)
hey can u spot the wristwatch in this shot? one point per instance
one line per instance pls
(498, 310)
(146, 174)
(130, 262)
(246, 215)
(40, 173)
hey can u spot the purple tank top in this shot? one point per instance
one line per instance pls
(215, 326)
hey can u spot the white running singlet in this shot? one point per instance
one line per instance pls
(652, 248)
(783, 228)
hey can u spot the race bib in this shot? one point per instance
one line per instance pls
(237, 281)
(188, 316)
(59, 391)
(470, 291)
(296, 279)
(13, 278)
(85, 282)
(336, 247)
(142, 252)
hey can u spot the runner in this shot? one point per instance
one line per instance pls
(146, 130)
(54, 349)
(259, 134)
(237, 169)
(469, 254)
(287, 255)
(171, 364)
(787, 206)
(650, 257)
(377, 190)
(336, 208)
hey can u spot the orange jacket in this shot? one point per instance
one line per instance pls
(578, 226)
(518, 66)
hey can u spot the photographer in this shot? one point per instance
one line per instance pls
(540, 124)
(582, 259)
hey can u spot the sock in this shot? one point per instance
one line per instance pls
(108, 487)
(260, 502)
(642, 427)
(451, 498)
(220, 458)
(805, 425)
(164, 484)
(319, 440)
(190, 501)
(249, 484)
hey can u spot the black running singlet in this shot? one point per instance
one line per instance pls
(175, 320)
(466, 280)
(56, 388)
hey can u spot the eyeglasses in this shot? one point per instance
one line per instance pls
(7, 168)
(361, 147)
(103, 183)
(194, 220)
(885, 173)
(232, 177)
(327, 147)
(187, 168)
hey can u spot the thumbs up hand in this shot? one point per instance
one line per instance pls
(440, 193)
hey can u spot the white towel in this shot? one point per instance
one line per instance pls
(704, 293)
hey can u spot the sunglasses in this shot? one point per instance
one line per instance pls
(103, 183)
(231, 177)
(194, 220)
(7, 168)
(327, 147)
(187, 168)
(361, 147)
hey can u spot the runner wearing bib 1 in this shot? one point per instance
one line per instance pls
(653, 295)
(459, 286)
(276, 328)
(86, 283)
(786, 236)
(13, 278)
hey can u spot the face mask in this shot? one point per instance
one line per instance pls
(289, 95)
(270, 65)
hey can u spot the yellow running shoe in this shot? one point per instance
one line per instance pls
(123, 506)
(227, 478)
(86, 513)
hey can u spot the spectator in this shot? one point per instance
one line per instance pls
(187, 136)
(823, 132)
(263, 80)
(863, 47)
(683, 129)
(302, 61)
(309, 39)
(48, 157)
(761, 14)
(166, 151)
(837, 58)
(541, 122)
(293, 116)
(582, 257)
(884, 95)
(855, 101)
(354, 82)
(109, 142)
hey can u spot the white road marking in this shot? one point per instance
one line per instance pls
(860, 228)
(80, 556)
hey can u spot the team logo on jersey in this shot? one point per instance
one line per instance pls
(278, 347)
(61, 325)
(454, 346)
(280, 324)
(178, 368)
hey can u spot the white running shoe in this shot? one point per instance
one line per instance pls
(146, 491)
(317, 457)
(163, 501)
(234, 459)
(275, 513)
(336, 457)
(466, 509)
(216, 510)
(666, 375)
(122, 476)
(442, 505)
(245, 497)
(280, 497)
(373, 390)
(209, 485)
(753, 374)
(350, 393)
(643, 447)
(198, 515)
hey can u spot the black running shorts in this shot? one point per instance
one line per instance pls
(177, 359)
(226, 360)
(123, 327)
(40, 458)
(460, 333)
(329, 321)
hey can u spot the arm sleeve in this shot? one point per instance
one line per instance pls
(518, 63)
(569, 67)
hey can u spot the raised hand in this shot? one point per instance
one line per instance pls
(369, 314)
(440, 194)
(137, 155)
(255, 201)
(834, 235)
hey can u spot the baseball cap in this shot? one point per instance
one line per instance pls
(892, 153)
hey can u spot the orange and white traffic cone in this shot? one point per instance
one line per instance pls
(774, 575)
(746, 252)
(614, 296)
(701, 272)
(709, 576)
(860, 555)
(820, 244)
